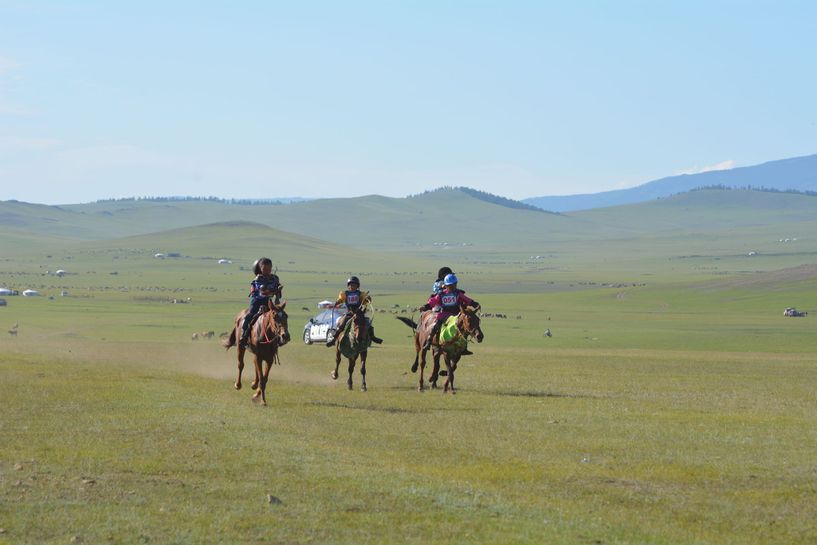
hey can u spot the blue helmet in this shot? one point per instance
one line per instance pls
(450, 279)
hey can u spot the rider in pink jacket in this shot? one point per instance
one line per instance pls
(449, 301)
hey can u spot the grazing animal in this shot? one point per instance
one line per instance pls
(194, 337)
(467, 325)
(268, 333)
(354, 341)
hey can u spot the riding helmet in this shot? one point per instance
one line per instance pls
(450, 279)
(444, 271)
(256, 267)
(353, 280)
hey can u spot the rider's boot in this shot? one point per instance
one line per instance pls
(372, 336)
(466, 352)
(245, 331)
(334, 338)
(434, 332)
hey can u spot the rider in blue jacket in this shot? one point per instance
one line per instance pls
(264, 285)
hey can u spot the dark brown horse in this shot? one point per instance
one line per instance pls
(468, 325)
(267, 335)
(354, 342)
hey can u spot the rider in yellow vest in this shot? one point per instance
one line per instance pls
(354, 299)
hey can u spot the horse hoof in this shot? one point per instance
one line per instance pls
(254, 385)
(237, 385)
(350, 386)
(334, 375)
(363, 388)
(414, 368)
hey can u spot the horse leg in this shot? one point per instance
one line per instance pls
(240, 367)
(351, 371)
(363, 370)
(435, 372)
(421, 387)
(416, 353)
(259, 393)
(264, 380)
(255, 382)
(259, 361)
(449, 380)
(337, 363)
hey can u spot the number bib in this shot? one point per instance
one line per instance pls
(449, 300)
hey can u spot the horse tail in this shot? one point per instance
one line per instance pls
(408, 321)
(230, 341)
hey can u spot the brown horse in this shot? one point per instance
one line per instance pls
(354, 342)
(468, 325)
(267, 335)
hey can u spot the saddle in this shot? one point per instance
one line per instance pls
(261, 312)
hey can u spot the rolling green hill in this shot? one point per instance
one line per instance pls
(700, 234)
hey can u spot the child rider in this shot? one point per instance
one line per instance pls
(449, 301)
(353, 298)
(265, 285)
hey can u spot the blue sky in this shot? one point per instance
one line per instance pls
(329, 99)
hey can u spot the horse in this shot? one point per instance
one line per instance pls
(354, 341)
(268, 333)
(467, 325)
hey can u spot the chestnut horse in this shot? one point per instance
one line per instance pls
(467, 326)
(267, 335)
(354, 342)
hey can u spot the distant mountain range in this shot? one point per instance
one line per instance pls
(798, 174)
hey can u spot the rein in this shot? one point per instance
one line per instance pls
(265, 326)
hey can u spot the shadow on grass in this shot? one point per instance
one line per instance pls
(542, 394)
(391, 410)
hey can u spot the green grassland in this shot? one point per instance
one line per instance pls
(673, 403)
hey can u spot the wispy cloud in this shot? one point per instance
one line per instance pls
(723, 165)
(11, 144)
